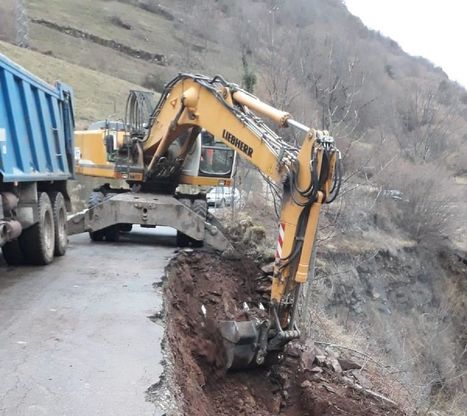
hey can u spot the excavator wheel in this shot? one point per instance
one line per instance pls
(95, 199)
(112, 233)
(184, 240)
(200, 206)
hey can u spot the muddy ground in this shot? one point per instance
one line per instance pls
(301, 381)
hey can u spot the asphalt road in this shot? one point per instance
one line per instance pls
(75, 338)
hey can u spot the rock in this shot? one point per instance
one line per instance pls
(306, 384)
(249, 400)
(333, 364)
(315, 369)
(240, 403)
(357, 309)
(384, 309)
(348, 364)
(268, 268)
(329, 388)
(276, 404)
(293, 350)
(308, 357)
(361, 379)
(320, 360)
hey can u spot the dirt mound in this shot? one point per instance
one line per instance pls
(203, 287)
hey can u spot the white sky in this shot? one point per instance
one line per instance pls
(434, 29)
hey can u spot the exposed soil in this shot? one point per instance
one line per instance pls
(301, 381)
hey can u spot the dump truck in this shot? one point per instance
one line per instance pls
(36, 161)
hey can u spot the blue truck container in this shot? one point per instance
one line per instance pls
(36, 160)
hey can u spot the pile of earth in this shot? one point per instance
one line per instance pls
(201, 288)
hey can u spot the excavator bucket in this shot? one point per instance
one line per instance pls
(241, 342)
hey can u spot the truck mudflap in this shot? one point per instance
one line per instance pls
(148, 210)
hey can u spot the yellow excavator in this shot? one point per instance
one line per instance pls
(191, 137)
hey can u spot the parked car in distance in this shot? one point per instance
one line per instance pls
(222, 196)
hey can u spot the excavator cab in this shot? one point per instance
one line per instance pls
(209, 162)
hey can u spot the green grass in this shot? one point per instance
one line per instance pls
(97, 96)
(150, 32)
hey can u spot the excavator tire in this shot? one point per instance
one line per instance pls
(125, 228)
(184, 240)
(13, 254)
(112, 233)
(95, 199)
(200, 206)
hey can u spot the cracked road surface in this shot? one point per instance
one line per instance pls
(75, 338)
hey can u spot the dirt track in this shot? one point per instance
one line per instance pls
(289, 384)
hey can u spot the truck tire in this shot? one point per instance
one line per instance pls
(95, 199)
(12, 253)
(38, 241)
(59, 211)
(200, 206)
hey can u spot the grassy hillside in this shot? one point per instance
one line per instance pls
(128, 24)
(97, 96)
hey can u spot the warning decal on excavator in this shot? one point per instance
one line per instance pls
(280, 240)
(237, 143)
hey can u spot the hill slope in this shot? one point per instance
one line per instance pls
(97, 95)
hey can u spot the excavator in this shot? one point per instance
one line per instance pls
(191, 137)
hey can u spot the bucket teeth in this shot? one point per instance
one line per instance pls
(203, 310)
(261, 306)
(246, 308)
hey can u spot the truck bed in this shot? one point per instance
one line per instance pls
(36, 127)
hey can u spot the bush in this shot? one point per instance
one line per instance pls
(154, 82)
(425, 208)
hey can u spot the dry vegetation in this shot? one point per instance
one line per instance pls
(7, 24)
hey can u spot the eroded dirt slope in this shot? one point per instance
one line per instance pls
(302, 381)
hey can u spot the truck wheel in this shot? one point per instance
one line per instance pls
(95, 199)
(200, 206)
(59, 211)
(38, 241)
(12, 253)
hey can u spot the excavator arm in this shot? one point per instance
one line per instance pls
(309, 176)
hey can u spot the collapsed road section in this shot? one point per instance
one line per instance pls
(202, 288)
